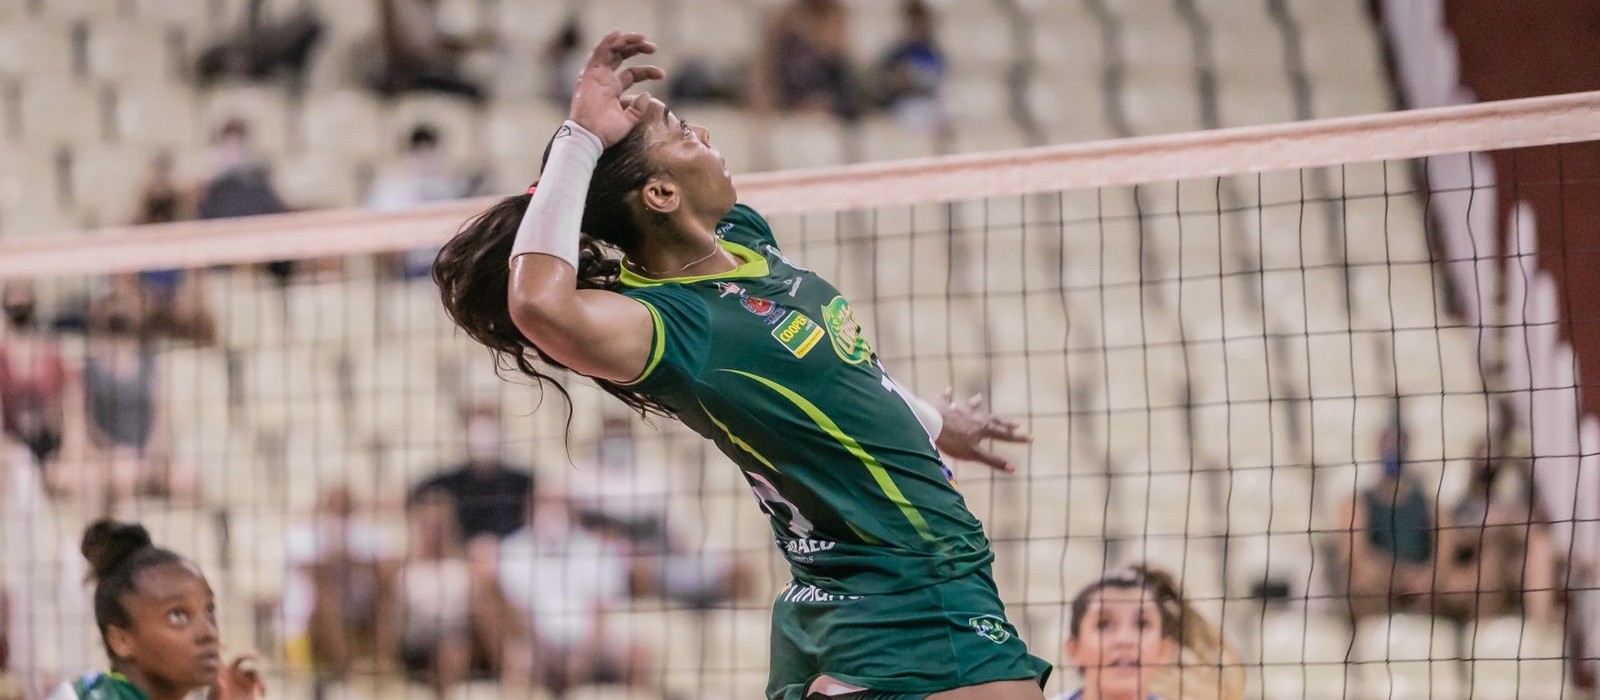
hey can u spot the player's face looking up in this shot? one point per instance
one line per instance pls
(691, 175)
(1120, 643)
(172, 641)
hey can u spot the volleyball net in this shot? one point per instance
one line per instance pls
(1327, 374)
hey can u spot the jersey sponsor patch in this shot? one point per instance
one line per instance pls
(769, 312)
(845, 332)
(798, 333)
(990, 627)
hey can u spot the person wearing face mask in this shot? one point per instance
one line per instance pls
(1386, 538)
(490, 494)
(33, 377)
(1134, 636)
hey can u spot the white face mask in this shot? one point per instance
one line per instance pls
(616, 452)
(483, 440)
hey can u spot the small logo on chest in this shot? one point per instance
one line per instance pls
(798, 333)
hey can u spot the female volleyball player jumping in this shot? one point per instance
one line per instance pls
(703, 319)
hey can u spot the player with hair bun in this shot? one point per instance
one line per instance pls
(157, 617)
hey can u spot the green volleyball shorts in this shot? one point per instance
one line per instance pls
(899, 646)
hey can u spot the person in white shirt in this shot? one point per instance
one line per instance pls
(1135, 637)
(558, 580)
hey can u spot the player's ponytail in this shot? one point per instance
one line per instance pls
(1208, 666)
(473, 275)
(117, 552)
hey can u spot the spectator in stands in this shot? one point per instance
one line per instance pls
(1386, 543)
(616, 496)
(563, 60)
(1496, 557)
(805, 64)
(438, 587)
(1134, 636)
(241, 185)
(34, 378)
(558, 580)
(490, 495)
(340, 604)
(422, 177)
(263, 48)
(913, 71)
(173, 301)
(125, 451)
(418, 55)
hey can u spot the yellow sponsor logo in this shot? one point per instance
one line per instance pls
(798, 333)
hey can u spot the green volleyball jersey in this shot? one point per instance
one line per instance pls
(767, 360)
(98, 686)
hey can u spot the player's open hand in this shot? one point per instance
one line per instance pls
(967, 426)
(597, 104)
(239, 680)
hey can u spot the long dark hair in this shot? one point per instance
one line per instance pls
(117, 552)
(473, 272)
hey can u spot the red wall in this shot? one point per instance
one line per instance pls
(1524, 48)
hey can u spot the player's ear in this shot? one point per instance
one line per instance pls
(661, 195)
(121, 642)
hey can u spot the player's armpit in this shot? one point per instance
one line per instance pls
(592, 332)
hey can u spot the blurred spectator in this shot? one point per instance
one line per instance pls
(438, 587)
(340, 601)
(617, 496)
(423, 177)
(173, 301)
(1496, 556)
(558, 580)
(1388, 551)
(1134, 636)
(262, 48)
(418, 55)
(124, 450)
(490, 495)
(33, 376)
(241, 184)
(913, 71)
(805, 64)
(564, 57)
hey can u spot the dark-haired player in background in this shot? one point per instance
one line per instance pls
(632, 264)
(157, 617)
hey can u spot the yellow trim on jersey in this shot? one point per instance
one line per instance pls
(658, 345)
(875, 469)
(754, 265)
(741, 444)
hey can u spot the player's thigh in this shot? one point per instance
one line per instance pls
(998, 690)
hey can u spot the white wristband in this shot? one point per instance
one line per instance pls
(552, 224)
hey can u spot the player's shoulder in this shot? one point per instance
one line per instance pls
(745, 226)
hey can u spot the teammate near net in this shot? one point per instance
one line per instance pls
(703, 319)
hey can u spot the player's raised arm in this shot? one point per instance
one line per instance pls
(597, 333)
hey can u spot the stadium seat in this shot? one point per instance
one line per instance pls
(1303, 655)
(735, 24)
(318, 180)
(345, 123)
(1407, 656)
(36, 49)
(131, 54)
(67, 113)
(801, 141)
(158, 115)
(1517, 658)
(884, 138)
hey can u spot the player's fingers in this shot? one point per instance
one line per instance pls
(976, 401)
(636, 74)
(637, 106)
(947, 396)
(993, 460)
(605, 51)
(1006, 431)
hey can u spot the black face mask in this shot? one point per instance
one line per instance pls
(20, 315)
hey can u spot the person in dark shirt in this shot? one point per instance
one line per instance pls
(491, 495)
(1386, 542)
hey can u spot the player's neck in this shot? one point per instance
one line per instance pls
(684, 249)
(152, 689)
